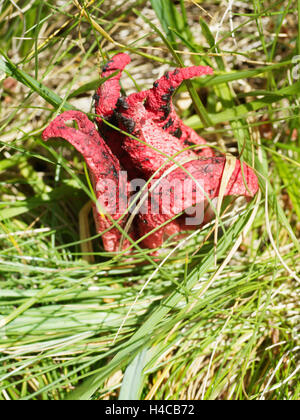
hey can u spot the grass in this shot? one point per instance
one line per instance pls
(178, 326)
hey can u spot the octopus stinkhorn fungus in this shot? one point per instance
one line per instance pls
(150, 141)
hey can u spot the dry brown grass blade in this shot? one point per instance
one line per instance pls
(96, 26)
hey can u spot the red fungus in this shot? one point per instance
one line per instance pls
(155, 139)
(204, 176)
(108, 93)
(150, 116)
(155, 122)
(103, 166)
(160, 98)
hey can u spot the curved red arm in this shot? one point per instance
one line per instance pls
(108, 93)
(104, 169)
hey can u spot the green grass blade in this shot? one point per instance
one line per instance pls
(168, 16)
(133, 378)
(10, 69)
(141, 337)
